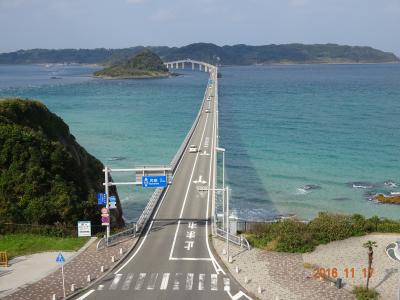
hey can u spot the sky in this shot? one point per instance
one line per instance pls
(55, 24)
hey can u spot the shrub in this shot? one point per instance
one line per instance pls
(362, 293)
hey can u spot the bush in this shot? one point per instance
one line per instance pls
(362, 293)
(293, 236)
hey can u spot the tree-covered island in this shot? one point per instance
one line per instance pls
(145, 64)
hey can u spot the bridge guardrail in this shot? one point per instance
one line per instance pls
(236, 239)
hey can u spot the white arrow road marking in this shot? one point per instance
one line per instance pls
(164, 281)
(201, 281)
(205, 153)
(200, 180)
(175, 287)
(115, 282)
(127, 282)
(214, 282)
(189, 281)
(152, 281)
(140, 281)
(227, 285)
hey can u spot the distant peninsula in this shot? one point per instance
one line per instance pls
(145, 64)
(224, 55)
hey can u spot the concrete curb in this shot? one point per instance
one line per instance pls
(122, 259)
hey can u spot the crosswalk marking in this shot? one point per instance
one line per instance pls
(201, 281)
(140, 281)
(175, 287)
(189, 281)
(127, 282)
(152, 281)
(214, 282)
(227, 284)
(164, 281)
(115, 282)
(179, 281)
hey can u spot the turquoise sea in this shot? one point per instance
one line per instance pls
(300, 138)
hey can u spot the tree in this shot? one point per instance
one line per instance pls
(370, 246)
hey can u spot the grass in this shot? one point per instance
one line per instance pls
(361, 293)
(22, 244)
(300, 237)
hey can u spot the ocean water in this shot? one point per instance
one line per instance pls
(298, 137)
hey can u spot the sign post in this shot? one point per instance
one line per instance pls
(107, 202)
(60, 259)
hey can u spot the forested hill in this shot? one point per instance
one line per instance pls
(226, 55)
(46, 177)
(145, 64)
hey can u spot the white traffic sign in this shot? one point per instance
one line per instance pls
(84, 228)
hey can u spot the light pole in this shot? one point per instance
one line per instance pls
(223, 184)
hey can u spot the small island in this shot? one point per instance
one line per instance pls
(390, 199)
(145, 64)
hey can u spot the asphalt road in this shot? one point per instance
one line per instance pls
(173, 259)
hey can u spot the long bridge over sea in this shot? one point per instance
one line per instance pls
(173, 258)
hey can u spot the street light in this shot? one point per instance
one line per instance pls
(223, 184)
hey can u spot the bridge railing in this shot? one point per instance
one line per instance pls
(117, 237)
(236, 239)
(148, 210)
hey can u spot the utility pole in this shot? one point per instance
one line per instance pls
(107, 203)
(227, 223)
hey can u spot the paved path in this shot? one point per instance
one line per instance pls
(280, 275)
(88, 262)
(350, 254)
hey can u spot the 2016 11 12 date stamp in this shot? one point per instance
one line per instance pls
(343, 273)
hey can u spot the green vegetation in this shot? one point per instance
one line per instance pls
(22, 244)
(46, 177)
(226, 55)
(295, 236)
(362, 293)
(144, 64)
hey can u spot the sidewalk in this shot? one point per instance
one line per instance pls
(280, 275)
(84, 263)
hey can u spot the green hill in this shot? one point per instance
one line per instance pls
(142, 65)
(45, 175)
(226, 55)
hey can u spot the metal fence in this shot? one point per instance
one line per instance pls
(118, 237)
(236, 239)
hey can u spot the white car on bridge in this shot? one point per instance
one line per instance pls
(193, 149)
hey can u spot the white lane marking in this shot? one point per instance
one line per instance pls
(85, 295)
(200, 180)
(175, 287)
(139, 282)
(115, 282)
(214, 282)
(152, 281)
(189, 281)
(128, 281)
(227, 284)
(191, 258)
(201, 281)
(187, 191)
(238, 295)
(216, 265)
(164, 281)
(100, 287)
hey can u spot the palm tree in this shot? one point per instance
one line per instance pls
(369, 245)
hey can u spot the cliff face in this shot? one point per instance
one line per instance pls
(45, 175)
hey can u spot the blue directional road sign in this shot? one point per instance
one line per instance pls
(101, 199)
(154, 181)
(60, 258)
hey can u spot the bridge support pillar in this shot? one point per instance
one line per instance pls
(200, 67)
(205, 69)
(192, 66)
(176, 65)
(183, 65)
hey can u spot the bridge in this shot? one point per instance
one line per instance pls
(173, 258)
